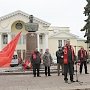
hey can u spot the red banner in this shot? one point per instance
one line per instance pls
(7, 52)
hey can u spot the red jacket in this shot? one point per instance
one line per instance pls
(66, 54)
(82, 55)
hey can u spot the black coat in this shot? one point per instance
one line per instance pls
(84, 56)
(37, 60)
(59, 55)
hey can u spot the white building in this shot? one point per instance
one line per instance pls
(48, 36)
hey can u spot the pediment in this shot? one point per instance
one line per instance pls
(23, 14)
(63, 35)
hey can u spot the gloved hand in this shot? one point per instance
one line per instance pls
(61, 56)
(76, 62)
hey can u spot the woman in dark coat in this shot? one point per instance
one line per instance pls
(36, 60)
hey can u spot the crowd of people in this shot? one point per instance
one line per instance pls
(66, 59)
(36, 59)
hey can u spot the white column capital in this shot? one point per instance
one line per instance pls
(9, 33)
(37, 32)
(46, 33)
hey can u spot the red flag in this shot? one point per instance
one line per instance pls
(7, 52)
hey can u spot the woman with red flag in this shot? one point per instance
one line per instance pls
(69, 57)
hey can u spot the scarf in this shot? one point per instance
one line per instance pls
(66, 54)
(34, 56)
(82, 54)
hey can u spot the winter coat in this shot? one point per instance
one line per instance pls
(35, 58)
(82, 55)
(67, 58)
(59, 55)
(47, 59)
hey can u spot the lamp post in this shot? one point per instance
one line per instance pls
(31, 36)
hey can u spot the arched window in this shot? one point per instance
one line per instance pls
(5, 38)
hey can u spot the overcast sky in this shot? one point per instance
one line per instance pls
(62, 13)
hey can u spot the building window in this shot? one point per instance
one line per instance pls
(5, 38)
(59, 43)
(41, 39)
(65, 42)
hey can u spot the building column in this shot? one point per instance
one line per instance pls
(46, 41)
(22, 54)
(9, 37)
(38, 42)
(0, 41)
(62, 42)
(21, 39)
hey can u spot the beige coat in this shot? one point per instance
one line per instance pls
(47, 59)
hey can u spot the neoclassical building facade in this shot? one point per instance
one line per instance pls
(47, 36)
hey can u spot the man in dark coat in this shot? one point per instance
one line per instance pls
(69, 57)
(36, 60)
(82, 56)
(59, 55)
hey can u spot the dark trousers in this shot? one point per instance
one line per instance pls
(47, 70)
(73, 68)
(68, 68)
(58, 68)
(36, 67)
(85, 66)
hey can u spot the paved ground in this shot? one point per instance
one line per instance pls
(54, 82)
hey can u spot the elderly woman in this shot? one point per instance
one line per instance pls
(47, 60)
